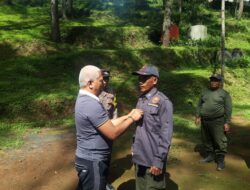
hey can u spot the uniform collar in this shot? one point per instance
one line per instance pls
(85, 92)
(150, 94)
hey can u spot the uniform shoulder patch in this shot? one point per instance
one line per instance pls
(155, 100)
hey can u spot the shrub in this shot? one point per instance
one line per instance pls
(242, 62)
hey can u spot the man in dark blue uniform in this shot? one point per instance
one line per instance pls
(153, 133)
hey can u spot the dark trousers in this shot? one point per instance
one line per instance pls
(92, 174)
(213, 136)
(144, 180)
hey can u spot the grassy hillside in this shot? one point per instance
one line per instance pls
(39, 79)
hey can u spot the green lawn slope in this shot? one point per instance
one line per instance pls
(39, 79)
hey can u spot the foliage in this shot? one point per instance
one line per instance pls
(242, 62)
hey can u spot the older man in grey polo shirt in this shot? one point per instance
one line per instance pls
(95, 131)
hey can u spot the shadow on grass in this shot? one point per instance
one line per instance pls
(7, 52)
(239, 142)
(46, 87)
(201, 150)
(170, 184)
(24, 25)
(130, 184)
(119, 166)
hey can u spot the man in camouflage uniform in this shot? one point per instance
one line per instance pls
(107, 97)
(108, 100)
(214, 113)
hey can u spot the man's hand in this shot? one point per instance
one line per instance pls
(226, 128)
(136, 114)
(155, 171)
(197, 121)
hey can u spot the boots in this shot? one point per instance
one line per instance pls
(209, 158)
(220, 162)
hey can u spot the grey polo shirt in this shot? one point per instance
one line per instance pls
(154, 132)
(89, 115)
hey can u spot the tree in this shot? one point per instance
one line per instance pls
(166, 23)
(67, 8)
(70, 7)
(180, 6)
(8, 2)
(55, 27)
(240, 10)
(64, 9)
(223, 31)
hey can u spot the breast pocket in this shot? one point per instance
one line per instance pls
(153, 110)
(154, 119)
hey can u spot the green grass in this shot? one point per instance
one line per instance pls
(41, 92)
(22, 23)
(11, 134)
(184, 127)
(38, 78)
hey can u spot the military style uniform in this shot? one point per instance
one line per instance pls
(152, 139)
(215, 109)
(108, 100)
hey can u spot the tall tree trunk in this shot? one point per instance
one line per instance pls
(67, 8)
(241, 7)
(55, 27)
(8, 2)
(64, 9)
(223, 31)
(166, 23)
(70, 7)
(180, 6)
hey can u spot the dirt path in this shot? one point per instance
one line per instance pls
(46, 162)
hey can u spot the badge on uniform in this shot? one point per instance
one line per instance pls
(155, 100)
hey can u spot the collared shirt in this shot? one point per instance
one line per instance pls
(85, 92)
(154, 132)
(89, 115)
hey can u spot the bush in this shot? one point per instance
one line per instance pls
(242, 62)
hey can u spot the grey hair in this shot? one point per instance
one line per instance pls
(88, 73)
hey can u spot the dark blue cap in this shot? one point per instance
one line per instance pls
(216, 77)
(147, 70)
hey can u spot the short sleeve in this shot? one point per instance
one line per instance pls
(97, 115)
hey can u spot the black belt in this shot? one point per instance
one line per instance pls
(211, 119)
